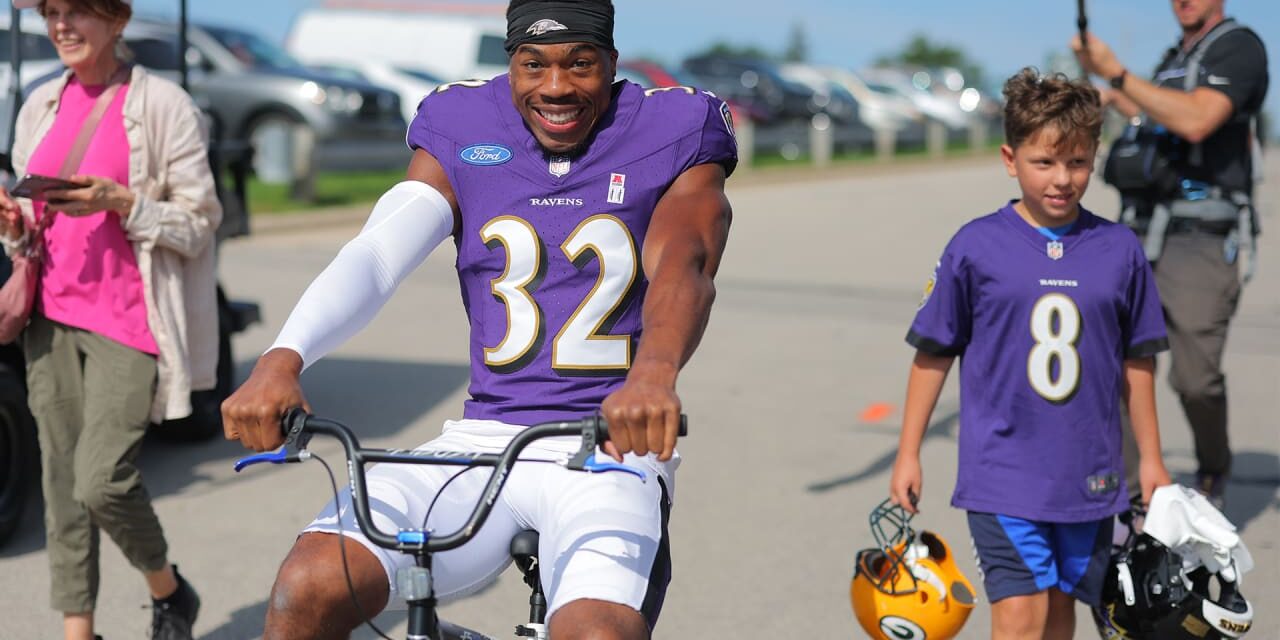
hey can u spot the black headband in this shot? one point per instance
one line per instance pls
(560, 22)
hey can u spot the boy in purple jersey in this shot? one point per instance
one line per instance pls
(1054, 315)
(589, 218)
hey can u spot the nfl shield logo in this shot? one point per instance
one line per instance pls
(559, 166)
(1054, 249)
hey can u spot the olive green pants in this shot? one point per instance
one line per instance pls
(91, 398)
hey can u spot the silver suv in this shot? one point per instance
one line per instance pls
(255, 91)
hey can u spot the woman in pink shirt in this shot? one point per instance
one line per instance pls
(126, 277)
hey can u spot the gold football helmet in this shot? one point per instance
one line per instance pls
(908, 586)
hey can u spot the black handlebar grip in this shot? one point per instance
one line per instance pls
(292, 421)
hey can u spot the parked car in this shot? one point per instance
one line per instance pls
(38, 56)
(412, 85)
(879, 107)
(831, 97)
(950, 84)
(452, 42)
(256, 91)
(653, 75)
(756, 83)
(910, 86)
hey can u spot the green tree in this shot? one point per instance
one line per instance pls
(797, 45)
(920, 51)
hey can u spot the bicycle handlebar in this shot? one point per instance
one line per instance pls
(298, 427)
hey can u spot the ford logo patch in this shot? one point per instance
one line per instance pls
(485, 154)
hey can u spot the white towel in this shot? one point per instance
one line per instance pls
(1183, 520)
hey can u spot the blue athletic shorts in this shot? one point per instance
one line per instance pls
(1021, 557)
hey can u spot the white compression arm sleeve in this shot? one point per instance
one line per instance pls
(408, 222)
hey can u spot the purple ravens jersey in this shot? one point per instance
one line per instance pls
(549, 247)
(1042, 329)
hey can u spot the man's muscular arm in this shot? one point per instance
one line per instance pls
(1192, 116)
(682, 252)
(1118, 101)
(398, 237)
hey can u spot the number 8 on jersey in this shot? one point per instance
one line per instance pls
(1055, 327)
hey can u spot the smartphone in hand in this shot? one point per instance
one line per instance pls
(36, 186)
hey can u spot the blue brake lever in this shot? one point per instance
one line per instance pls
(275, 457)
(295, 444)
(590, 465)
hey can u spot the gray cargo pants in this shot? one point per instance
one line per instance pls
(91, 398)
(1199, 290)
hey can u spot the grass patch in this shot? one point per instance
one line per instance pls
(867, 156)
(338, 189)
(332, 190)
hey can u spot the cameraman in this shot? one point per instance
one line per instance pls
(1202, 103)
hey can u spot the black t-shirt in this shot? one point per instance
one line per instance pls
(1236, 65)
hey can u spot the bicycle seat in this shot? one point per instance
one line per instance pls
(524, 546)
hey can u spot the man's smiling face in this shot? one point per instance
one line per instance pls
(561, 91)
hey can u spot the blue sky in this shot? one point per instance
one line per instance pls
(851, 33)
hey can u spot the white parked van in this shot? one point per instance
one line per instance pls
(451, 44)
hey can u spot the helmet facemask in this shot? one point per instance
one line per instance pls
(884, 564)
(908, 586)
(1149, 595)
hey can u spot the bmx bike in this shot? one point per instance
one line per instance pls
(416, 582)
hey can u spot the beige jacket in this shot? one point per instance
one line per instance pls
(171, 225)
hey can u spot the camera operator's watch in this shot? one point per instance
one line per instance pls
(1117, 82)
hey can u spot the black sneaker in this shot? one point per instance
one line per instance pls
(1214, 487)
(171, 618)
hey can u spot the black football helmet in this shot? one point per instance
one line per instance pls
(1149, 596)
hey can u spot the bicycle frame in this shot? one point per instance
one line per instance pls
(416, 583)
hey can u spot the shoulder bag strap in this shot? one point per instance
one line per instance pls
(75, 156)
(1192, 79)
(71, 163)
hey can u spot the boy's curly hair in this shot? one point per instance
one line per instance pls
(1070, 110)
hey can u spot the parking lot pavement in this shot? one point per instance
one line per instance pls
(794, 399)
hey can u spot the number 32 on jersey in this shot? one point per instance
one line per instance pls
(579, 346)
